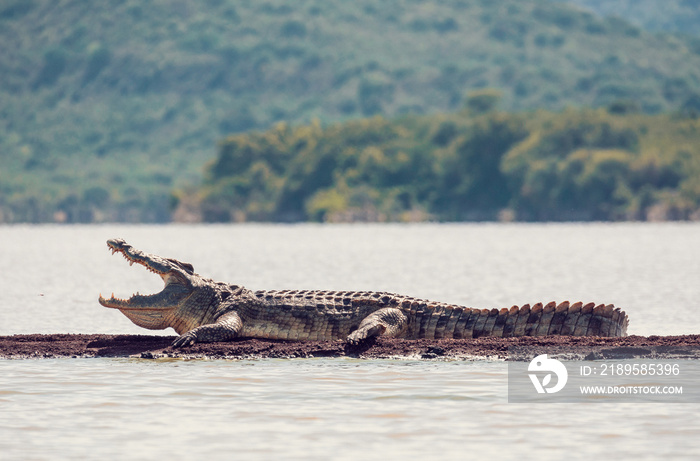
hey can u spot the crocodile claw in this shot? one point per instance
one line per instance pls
(186, 339)
(363, 334)
(354, 339)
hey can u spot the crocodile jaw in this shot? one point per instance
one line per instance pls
(149, 311)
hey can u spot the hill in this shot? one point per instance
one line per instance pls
(106, 107)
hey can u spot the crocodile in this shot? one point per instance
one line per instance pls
(202, 310)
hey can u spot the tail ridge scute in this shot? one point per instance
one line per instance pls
(480, 324)
(546, 319)
(521, 321)
(595, 323)
(511, 320)
(583, 319)
(607, 327)
(557, 322)
(499, 324)
(572, 314)
(533, 320)
(619, 322)
(490, 322)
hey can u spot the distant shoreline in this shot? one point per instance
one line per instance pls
(36, 346)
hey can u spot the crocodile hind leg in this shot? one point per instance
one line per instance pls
(387, 322)
(226, 327)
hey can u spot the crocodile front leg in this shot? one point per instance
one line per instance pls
(388, 322)
(226, 328)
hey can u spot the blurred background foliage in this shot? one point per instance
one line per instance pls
(577, 164)
(109, 110)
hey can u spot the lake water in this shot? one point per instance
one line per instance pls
(335, 408)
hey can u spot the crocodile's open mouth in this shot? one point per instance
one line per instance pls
(167, 299)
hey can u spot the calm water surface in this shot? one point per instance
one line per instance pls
(342, 408)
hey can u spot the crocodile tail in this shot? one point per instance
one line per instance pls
(564, 318)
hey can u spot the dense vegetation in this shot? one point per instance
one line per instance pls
(106, 107)
(571, 165)
(679, 16)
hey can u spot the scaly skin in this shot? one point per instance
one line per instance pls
(201, 310)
